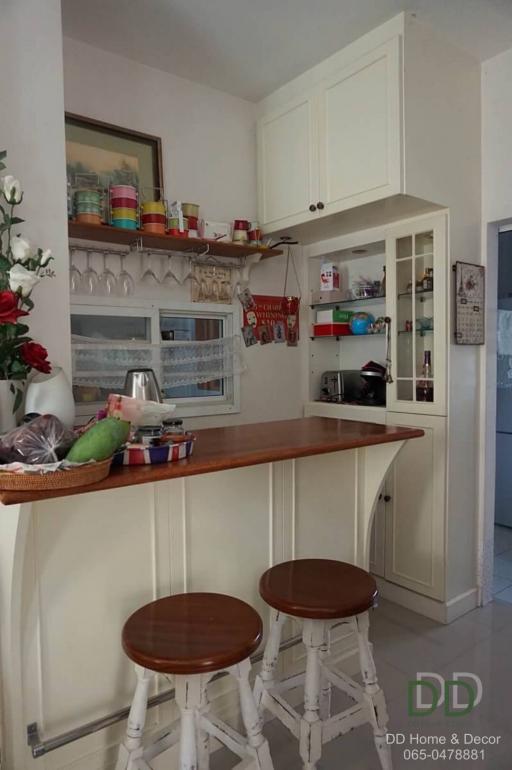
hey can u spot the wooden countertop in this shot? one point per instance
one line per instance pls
(219, 449)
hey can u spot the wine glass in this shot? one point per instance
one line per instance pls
(169, 278)
(107, 281)
(125, 283)
(75, 278)
(89, 282)
(148, 277)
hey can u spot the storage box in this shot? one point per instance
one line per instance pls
(214, 230)
(329, 277)
(327, 297)
(333, 315)
(332, 330)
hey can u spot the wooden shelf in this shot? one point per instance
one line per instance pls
(108, 234)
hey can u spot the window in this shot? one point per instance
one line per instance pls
(191, 348)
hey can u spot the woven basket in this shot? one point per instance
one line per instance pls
(73, 477)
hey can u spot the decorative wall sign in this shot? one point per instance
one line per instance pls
(266, 320)
(112, 154)
(469, 304)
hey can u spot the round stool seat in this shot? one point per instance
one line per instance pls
(318, 589)
(192, 633)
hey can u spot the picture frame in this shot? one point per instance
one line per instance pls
(101, 154)
(469, 303)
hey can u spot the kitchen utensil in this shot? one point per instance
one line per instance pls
(89, 282)
(125, 282)
(107, 281)
(190, 209)
(142, 384)
(123, 191)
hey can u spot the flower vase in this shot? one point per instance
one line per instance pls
(8, 418)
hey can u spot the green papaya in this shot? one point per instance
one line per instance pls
(100, 441)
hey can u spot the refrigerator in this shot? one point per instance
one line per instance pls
(503, 501)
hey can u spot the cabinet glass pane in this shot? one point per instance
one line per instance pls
(404, 390)
(110, 327)
(424, 243)
(404, 247)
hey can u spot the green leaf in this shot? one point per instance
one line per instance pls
(16, 220)
(3, 154)
(28, 303)
(5, 264)
(21, 328)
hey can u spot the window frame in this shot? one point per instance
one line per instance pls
(204, 406)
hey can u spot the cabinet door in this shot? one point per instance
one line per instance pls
(416, 302)
(415, 516)
(378, 537)
(288, 164)
(360, 131)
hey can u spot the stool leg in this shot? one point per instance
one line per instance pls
(325, 692)
(374, 692)
(250, 717)
(203, 738)
(188, 697)
(310, 743)
(265, 679)
(131, 748)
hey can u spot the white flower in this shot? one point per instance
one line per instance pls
(21, 279)
(45, 257)
(12, 189)
(20, 248)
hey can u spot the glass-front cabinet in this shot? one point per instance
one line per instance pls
(417, 279)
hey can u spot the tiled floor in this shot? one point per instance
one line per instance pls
(406, 643)
(502, 579)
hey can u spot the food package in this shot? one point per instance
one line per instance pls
(137, 411)
(43, 440)
(329, 277)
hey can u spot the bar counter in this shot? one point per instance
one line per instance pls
(219, 449)
(75, 563)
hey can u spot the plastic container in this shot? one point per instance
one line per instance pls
(153, 207)
(153, 219)
(153, 227)
(177, 233)
(193, 223)
(125, 224)
(174, 222)
(190, 209)
(123, 191)
(88, 219)
(332, 330)
(123, 203)
(124, 213)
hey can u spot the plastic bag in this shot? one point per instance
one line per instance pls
(43, 440)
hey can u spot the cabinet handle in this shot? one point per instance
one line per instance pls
(387, 498)
(320, 205)
(312, 207)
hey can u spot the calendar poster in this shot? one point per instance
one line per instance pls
(469, 304)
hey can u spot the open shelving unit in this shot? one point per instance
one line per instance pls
(108, 234)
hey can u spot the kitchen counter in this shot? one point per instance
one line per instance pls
(219, 449)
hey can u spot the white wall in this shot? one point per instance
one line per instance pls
(32, 132)
(209, 156)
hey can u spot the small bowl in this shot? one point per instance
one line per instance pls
(175, 223)
(177, 233)
(190, 209)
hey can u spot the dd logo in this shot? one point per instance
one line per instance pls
(429, 691)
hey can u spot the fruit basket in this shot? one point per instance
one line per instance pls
(41, 478)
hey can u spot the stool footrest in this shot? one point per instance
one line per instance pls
(281, 709)
(227, 735)
(345, 721)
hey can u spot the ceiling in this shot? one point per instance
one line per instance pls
(250, 47)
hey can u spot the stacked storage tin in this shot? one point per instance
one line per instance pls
(154, 217)
(124, 201)
(88, 205)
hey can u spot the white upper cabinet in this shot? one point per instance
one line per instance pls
(382, 118)
(359, 119)
(288, 162)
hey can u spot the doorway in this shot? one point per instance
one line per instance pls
(502, 572)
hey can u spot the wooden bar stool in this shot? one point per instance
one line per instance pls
(193, 636)
(322, 593)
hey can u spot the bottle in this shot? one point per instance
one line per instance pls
(427, 282)
(425, 387)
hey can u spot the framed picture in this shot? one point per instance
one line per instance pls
(101, 154)
(469, 304)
